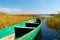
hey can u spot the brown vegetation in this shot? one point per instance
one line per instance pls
(9, 20)
(54, 22)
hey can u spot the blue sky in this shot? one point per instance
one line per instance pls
(30, 6)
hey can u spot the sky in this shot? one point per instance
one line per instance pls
(30, 6)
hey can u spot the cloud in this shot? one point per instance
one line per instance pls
(19, 11)
(11, 10)
(43, 12)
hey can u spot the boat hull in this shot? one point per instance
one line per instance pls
(29, 36)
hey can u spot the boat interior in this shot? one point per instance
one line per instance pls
(29, 27)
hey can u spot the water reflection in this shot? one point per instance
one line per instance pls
(48, 34)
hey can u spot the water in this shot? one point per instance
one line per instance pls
(48, 34)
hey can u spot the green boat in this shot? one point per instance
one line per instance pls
(27, 30)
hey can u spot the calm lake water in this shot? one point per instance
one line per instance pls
(48, 34)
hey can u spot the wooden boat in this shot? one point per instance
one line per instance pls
(27, 30)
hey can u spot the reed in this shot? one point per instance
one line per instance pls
(8, 20)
